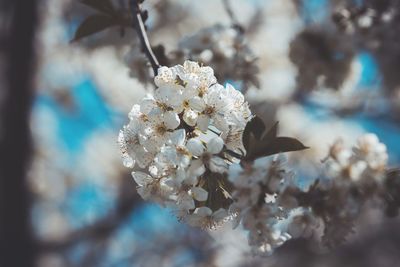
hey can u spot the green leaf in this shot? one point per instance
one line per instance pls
(255, 127)
(277, 145)
(260, 145)
(271, 134)
(93, 24)
(104, 6)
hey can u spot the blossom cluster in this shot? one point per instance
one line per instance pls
(182, 138)
(365, 161)
(352, 178)
(226, 50)
(270, 205)
(265, 205)
(184, 143)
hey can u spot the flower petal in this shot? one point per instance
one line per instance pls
(141, 178)
(197, 103)
(171, 120)
(203, 211)
(218, 165)
(203, 122)
(196, 169)
(215, 145)
(195, 146)
(199, 194)
(177, 138)
(190, 117)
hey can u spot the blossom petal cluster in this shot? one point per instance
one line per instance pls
(367, 160)
(226, 49)
(264, 208)
(177, 140)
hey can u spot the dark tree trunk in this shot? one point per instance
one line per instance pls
(18, 38)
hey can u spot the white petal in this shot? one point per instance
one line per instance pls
(190, 117)
(220, 215)
(215, 145)
(127, 160)
(191, 180)
(141, 178)
(135, 112)
(177, 138)
(164, 76)
(203, 211)
(220, 122)
(203, 122)
(171, 120)
(191, 66)
(171, 182)
(162, 94)
(197, 103)
(199, 194)
(186, 202)
(180, 175)
(143, 158)
(147, 104)
(197, 168)
(195, 146)
(171, 96)
(218, 165)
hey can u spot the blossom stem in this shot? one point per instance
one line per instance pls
(141, 31)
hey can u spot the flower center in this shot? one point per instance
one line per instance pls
(202, 91)
(182, 150)
(164, 107)
(186, 104)
(161, 129)
(209, 110)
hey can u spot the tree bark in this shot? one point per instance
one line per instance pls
(17, 246)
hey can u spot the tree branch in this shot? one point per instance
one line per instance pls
(141, 31)
(235, 22)
(103, 227)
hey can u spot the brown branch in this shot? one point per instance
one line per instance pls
(141, 31)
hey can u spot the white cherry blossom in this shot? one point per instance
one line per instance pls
(207, 156)
(179, 137)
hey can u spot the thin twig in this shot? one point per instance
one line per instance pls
(235, 22)
(141, 31)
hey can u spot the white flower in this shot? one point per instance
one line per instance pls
(157, 131)
(165, 99)
(165, 76)
(174, 152)
(207, 156)
(367, 160)
(185, 197)
(343, 165)
(239, 113)
(204, 217)
(129, 142)
(196, 77)
(173, 135)
(372, 151)
(150, 188)
(217, 105)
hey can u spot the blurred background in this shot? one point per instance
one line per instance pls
(325, 69)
